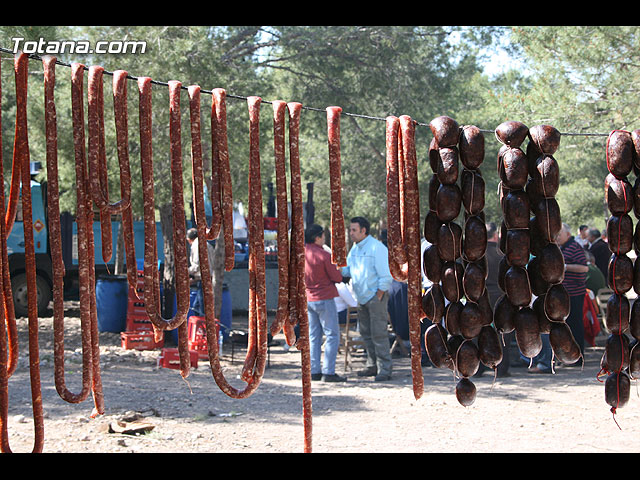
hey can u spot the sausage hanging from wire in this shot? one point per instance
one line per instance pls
(338, 243)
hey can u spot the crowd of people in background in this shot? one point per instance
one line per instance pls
(367, 285)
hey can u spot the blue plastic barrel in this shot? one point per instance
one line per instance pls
(112, 295)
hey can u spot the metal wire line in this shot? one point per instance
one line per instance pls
(315, 109)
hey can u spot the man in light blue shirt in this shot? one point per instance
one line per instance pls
(368, 267)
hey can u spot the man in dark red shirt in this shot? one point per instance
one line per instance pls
(320, 277)
(575, 277)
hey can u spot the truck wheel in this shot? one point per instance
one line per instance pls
(20, 298)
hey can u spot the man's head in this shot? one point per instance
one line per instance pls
(358, 229)
(563, 235)
(584, 230)
(313, 233)
(492, 232)
(593, 234)
(192, 234)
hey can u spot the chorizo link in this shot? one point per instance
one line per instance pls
(297, 240)
(396, 253)
(282, 314)
(53, 213)
(151, 278)
(122, 143)
(338, 244)
(214, 360)
(7, 302)
(84, 220)
(412, 240)
(219, 99)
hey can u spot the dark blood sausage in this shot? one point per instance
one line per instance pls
(338, 243)
(21, 153)
(84, 218)
(53, 212)
(620, 233)
(297, 242)
(619, 195)
(151, 278)
(545, 180)
(433, 303)
(616, 318)
(471, 147)
(473, 281)
(448, 202)
(471, 320)
(634, 321)
(413, 249)
(448, 241)
(616, 353)
(435, 340)
(452, 318)
(620, 273)
(446, 131)
(431, 226)
(517, 247)
(396, 251)
(543, 320)
(616, 390)
(528, 332)
(516, 209)
(563, 343)
(432, 264)
(219, 112)
(467, 359)
(551, 263)
(282, 314)
(538, 285)
(557, 303)
(504, 315)
(489, 347)
(465, 392)
(517, 286)
(545, 138)
(451, 280)
(473, 186)
(634, 362)
(474, 243)
(619, 153)
(512, 168)
(448, 166)
(511, 133)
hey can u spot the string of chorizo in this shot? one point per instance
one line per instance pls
(151, 277)
(338, 244)
(7, 302)
(58, 267)
(219, 111)
(282, 314)
(396, 251)
(122, 144)
(412, 241)
(21, 152)
(207, 287)
(97, 157)
(84, 220)
(297, 241)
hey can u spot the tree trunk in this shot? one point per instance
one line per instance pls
(169, 276)
(119, 260)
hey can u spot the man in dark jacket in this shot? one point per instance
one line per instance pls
(600, 250)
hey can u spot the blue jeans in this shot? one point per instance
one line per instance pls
(323, 319)
(543, 359)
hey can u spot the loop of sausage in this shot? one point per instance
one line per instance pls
(8, 308)
(196, 157)
(338, 244)
(412, 242)
(219, 112)
(21, 153)
(97, 157)
(282, 314)
(207, 287)
(84, 220)
(53, 214)
(396, 247)
(257, 287)
(122, 143)
(151, 277)
(297, 258)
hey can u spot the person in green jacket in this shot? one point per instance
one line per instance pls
(595, 278)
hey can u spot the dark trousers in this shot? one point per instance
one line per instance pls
(574, 320)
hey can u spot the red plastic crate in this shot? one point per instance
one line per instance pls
(140, 341)
(197, 338)
(139, 323)
(169, 358)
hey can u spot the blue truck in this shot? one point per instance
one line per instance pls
(69, 232)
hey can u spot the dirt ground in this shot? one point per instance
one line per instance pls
(564, 412)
